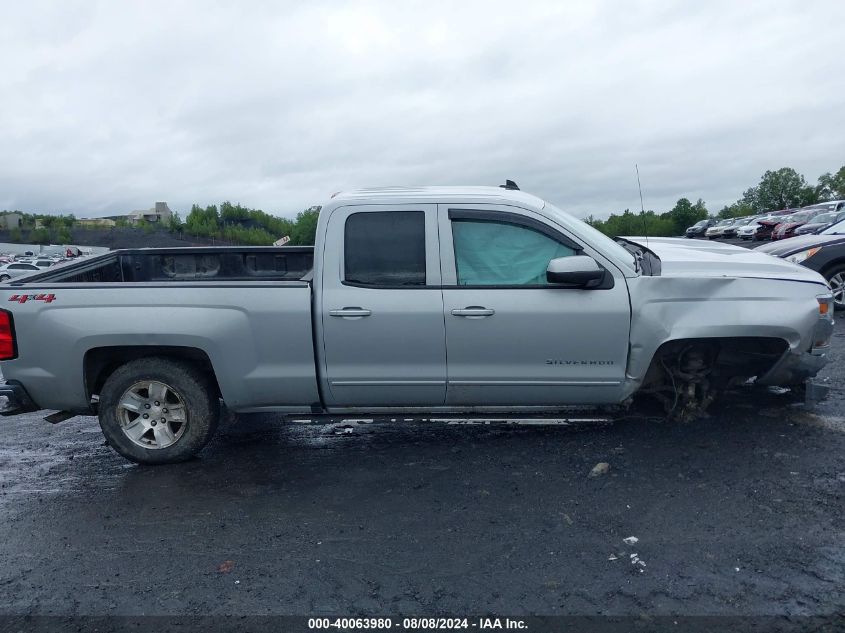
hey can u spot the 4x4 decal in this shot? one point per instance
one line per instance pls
(39, 297)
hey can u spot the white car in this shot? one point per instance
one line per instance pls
(16, 269)
(716, 231)
(747, 232)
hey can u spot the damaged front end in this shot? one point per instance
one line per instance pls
(718, 334)
(687, 375)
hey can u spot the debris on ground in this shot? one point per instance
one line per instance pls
(630, 540)
(226, 566)
(637, 562)
(599, 469)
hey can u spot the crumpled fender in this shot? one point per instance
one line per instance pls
(665, 309)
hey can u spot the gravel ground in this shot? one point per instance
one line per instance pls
(738, 514)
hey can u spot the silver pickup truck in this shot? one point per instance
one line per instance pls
(438, 300)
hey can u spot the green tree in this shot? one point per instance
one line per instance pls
(784, 188)
(63, 235)
(174, 224)
(146, 227)
(233, 213)
(831, 186)
(736, 210)
(685, 214)
(305, 228)
(39, 236)
(635, 224)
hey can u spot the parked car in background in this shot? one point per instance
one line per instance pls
(747, 231)
(44, 263)
(820, 222)
(731, 229)
(787, 228)
(16, 269)
(824, 253)
(699, 228)
(716, 231)
(764, 231)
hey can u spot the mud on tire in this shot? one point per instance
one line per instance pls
(158, 410)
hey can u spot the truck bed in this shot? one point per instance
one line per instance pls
(204, 264)
(246, 310)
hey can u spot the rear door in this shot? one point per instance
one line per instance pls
(512, 338)
(382, 307)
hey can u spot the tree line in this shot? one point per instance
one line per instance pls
(227, 222)
(784, 188)
(241, 225)
(780, 189)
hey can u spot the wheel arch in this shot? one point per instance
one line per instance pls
(100, 362)
(729, 356)
(833, 264)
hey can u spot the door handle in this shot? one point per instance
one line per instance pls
(474, 311)
(350, 312)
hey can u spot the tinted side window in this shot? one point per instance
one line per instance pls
(385, 248)
(489, 253)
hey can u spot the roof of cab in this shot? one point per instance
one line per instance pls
(433, 195)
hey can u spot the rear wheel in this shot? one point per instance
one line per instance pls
(158, 411)
(4, 278)
(836, 280)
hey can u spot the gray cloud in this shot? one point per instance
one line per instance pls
(109, 106)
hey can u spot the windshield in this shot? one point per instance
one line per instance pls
(800, 217)
(701, 223)
(836, 229)
(824, 218)
(601, 241)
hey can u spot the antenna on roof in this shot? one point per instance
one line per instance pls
(642, 207)
(510, 184)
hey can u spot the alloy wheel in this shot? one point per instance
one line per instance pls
(152, 414)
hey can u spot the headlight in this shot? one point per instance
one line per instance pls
(797, 258)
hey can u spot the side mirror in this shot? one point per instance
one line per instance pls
(578, 271)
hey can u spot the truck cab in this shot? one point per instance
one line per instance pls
(426, 303)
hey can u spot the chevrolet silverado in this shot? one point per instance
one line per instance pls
(438, 300)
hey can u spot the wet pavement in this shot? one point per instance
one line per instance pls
(741, 513)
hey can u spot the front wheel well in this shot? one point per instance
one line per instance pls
(685, 374)
(724, 359)
(100, 362)
(828, 268)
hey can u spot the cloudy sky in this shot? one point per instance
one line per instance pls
(109, 106)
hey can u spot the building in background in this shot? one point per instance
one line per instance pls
(10, 221)
(160, 213)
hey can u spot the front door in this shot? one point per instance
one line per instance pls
(382, 308)
(514, 339)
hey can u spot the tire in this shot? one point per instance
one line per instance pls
(4, 278)
(836, 280)
(181, 404)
